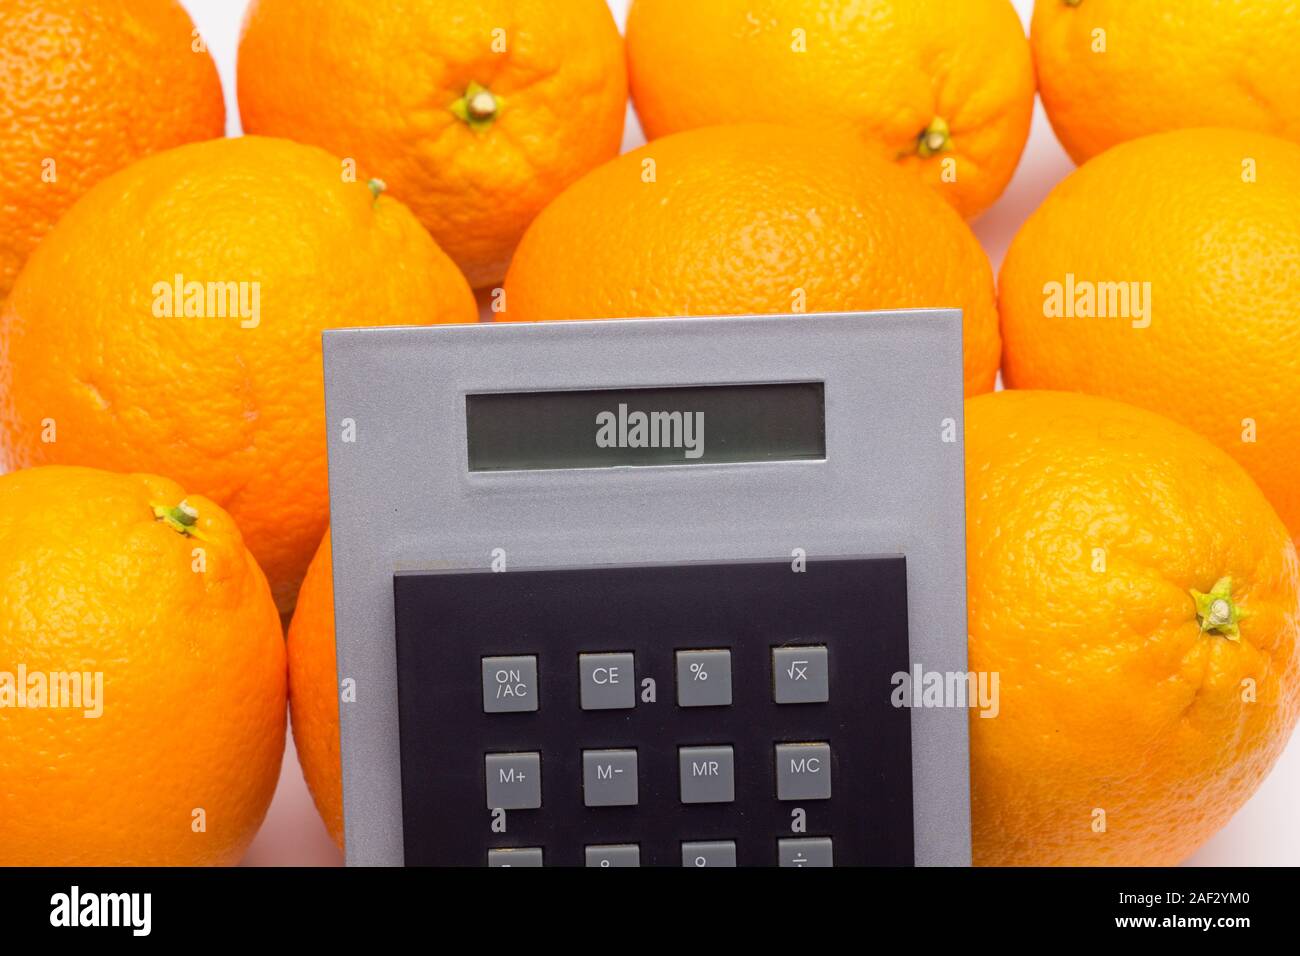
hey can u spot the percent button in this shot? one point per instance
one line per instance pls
(704, 678)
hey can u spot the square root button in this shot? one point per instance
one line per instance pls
(803, 771)
(509, 684)
(801, 675)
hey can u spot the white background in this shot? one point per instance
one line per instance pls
(1266, 831)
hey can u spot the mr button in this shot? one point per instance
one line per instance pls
(708, 774)
(803, 771)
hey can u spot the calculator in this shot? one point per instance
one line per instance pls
(650, 592)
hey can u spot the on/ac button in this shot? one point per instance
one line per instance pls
(509, 684)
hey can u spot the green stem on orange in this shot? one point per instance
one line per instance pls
(376, 187)
(935, 138)
(478, 108)
(180, 518)
(1216, 611)
(1072, 3)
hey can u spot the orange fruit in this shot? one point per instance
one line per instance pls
(141, 604)
(219, 386)
(1140, 602)
(87, 87)
(475, 115)
(945, 89)
(314, 690)
(753, 219)
(1114, 70)
(1198, 231)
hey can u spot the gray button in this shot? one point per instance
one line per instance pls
(509, 684)
(704, 678)
(801, 675)
(619, 854)
(709, 853)
(609, 778)
(707, 774)
(803, 771)
(608, 681)
(514, 781)
(524, 856)
(806, 851)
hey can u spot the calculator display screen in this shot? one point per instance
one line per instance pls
(685, 425)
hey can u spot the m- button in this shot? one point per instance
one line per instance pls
(803, 771)
(609, 778)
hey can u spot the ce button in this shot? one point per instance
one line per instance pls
(608, 681)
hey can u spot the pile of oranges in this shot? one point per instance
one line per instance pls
(1133, 511)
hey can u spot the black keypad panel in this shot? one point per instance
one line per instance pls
(730, 714)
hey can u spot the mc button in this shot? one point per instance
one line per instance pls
(803, 771)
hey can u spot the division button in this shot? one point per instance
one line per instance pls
(609, 778)
(509, 684)
(704, 678)
(803, 771)
(805, 851)
(514, 781)
(709, 853)
(618, 854)
(608, 681)
(801, 675)
(523, 856)
(708, 774)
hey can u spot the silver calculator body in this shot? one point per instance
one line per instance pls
(471, 491)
